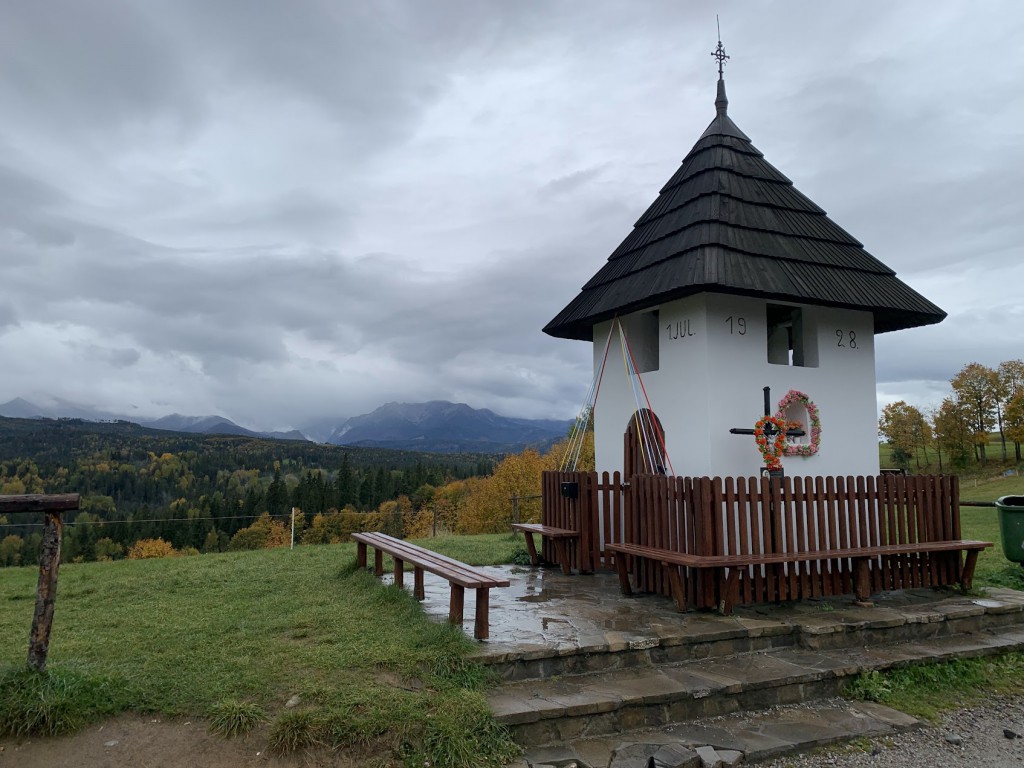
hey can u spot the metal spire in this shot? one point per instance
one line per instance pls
(721, 102)
(719, 52)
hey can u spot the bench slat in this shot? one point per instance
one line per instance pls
(459, 576)
(549, 531)
(464, 575)
(558, 538)
(729, 583)
(772, 558)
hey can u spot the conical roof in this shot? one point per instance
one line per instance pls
(729, 222)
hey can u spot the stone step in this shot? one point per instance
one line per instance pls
(730, 739)
(756, 630)
(571, 707)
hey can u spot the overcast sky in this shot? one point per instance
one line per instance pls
(279, 210)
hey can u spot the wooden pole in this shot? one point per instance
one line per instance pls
(51, 505)
(38, 502)
(46, 592)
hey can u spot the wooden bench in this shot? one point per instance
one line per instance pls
(558, 537)
(729, 582)
(459, 575)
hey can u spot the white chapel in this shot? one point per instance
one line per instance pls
(731, 282)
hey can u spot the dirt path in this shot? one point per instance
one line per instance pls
(132, 741)
(965, 737)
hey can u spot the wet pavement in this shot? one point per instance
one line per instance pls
(595, 678)
(546, 613)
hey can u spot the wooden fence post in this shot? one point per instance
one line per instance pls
(49, 562)
(46, 592)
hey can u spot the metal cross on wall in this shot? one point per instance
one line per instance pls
(769, 429)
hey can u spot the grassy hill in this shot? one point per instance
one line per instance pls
(234, 636)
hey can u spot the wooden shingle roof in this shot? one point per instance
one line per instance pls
(729, 222)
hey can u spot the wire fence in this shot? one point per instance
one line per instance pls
(131, 521)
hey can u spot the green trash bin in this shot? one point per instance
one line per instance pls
(1011, 527)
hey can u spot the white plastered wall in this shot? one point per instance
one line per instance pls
(711, 371)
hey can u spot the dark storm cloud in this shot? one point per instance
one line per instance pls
(281, 210)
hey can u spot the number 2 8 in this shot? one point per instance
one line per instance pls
(847, 339)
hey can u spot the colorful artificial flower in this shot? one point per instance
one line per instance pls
(772, 450)
(795, 396)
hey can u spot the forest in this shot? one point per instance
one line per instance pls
(203, 492)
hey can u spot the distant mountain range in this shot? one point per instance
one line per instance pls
(437, 426)
(213, 425)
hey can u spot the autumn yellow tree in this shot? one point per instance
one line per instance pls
(334, 527)
(390, 517)
(976, 390)
(10, 550)
(568, 454)
(488, 509)
(264, 533)
(952, 432)
(144, 549)
(1011, 386)
(1014, 417)
(897, 426)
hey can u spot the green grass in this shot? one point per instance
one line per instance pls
(993, 569)
(233, 635)
(236, 718)
(486, 549)
(926, 690)
(922, 463)
(991, 489)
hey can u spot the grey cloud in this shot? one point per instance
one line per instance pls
(571, 182)
(8, 318)
(284, 209)
(119, 357)
(105, 63)
(20, 190)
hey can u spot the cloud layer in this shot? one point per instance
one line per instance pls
(276, 211)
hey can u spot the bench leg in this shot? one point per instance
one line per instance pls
(676, 584)
(361, 554)
(378, 563)
(456, 605)
(730, 586)
(620, 567)
(417, 586)
(861, 580)
(481, 625)
(531, 548)
(562, 552)
(399, 572)
(967, 578)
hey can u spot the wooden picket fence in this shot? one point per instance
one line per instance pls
(727, 516)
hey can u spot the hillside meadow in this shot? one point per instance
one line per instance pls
(234, 636)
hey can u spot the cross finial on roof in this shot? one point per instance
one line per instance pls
(719, 52)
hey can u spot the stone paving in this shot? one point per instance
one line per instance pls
(612, 681)
(728, 740)
(545, 613)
